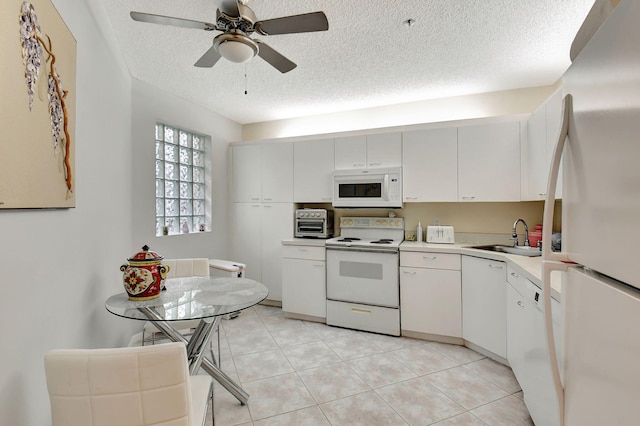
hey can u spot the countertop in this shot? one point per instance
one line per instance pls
(531, 267)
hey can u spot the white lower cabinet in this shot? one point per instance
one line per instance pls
(304, 290)
(484, 306)
(257, 231)
(430, 294)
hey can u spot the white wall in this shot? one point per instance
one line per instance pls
(151, 105)
(59, 266)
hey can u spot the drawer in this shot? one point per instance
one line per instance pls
(363, 317)
(430, 260)
(304, 252)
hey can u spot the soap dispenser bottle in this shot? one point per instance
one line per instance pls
(419, 232)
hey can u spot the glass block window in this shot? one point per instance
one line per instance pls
(181, 181)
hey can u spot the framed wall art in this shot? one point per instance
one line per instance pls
(37, 107)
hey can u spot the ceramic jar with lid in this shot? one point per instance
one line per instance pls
(144, 275)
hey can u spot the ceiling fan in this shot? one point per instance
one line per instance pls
(237, 22)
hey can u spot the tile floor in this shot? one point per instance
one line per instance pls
(305, 373)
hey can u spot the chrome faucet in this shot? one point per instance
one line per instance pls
(514, 234)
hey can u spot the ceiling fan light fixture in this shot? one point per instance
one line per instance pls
(235, 47)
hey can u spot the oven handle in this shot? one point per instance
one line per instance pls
(362, 249)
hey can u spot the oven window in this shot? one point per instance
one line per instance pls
(372, 271)
(311, 226)
(360, 190)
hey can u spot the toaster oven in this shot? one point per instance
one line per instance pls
(313, 223)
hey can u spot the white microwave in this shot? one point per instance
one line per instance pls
(368, 188)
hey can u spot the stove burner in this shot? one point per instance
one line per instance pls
(382, 241)
(348, 239)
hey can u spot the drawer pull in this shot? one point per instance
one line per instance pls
(495, 266)
(513, 274)
(319, 265)
(361, 311)
(409, 272)
(520, 303)
(302, 249)
(429, 257)
(468, 198)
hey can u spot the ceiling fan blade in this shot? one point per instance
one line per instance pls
(230, 7)
(169, 20)
(305, 23)
(209, 58)
(274, 58)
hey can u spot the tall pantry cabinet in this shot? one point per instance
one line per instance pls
(262, 210)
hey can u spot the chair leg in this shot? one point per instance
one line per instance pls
(213, 417)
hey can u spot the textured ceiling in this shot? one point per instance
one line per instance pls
(368, 58)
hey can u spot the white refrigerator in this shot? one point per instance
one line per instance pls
(599, 382)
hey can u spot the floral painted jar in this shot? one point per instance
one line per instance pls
(144, 275)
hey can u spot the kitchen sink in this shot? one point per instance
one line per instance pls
(519, 250)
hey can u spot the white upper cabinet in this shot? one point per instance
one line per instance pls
(277, 173)
(384, 150)
(370, 151)
(537, 163)
(430, 165)
(247, 170)
(263, 172)
(543, 131)
(351, 152)
(553, 110)
(312, 168)
(489, 162)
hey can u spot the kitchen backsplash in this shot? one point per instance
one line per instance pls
(466, 218)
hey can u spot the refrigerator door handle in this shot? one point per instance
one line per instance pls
(547, 268)
(552, 183)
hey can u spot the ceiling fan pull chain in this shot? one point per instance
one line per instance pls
(245, 78)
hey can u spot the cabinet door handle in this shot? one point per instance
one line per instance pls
(255, 198)
(361, 311)
(301, 249)
(327, 198)
(429, 257)
(319, 265)
(410, 198)
(267, 199)
(409, 272)
(520, 303)
(543, 195)
(495, 266)
(468, 198)
(375, 164)
(255, 205)
(513, 274)
(267, 206)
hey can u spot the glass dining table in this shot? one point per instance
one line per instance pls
(194, 298)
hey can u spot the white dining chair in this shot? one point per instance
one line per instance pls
(178, 268)
(132, 386)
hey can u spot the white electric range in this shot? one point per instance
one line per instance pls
(363, 289)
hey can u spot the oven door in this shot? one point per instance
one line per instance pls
(311, 228)
(361, 275)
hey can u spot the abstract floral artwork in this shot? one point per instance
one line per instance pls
(37, 115)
